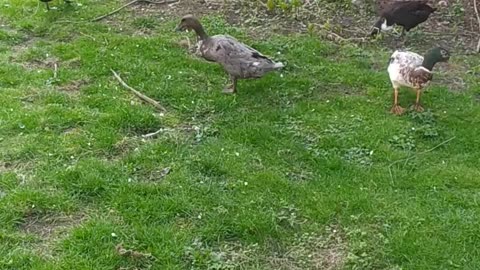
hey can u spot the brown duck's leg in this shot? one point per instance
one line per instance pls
(396, 109)
(48, 6)
(232, 87)
(417, 107)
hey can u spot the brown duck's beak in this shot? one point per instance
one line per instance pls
(179, 28)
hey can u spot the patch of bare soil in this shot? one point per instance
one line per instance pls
(49, 229)
(454, 25)
(73, 87)
(311, 251)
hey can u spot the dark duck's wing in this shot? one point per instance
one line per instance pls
(409, 14)
(405, 13)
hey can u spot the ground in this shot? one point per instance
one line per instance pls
(302, 169)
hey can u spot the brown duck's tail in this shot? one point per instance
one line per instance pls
(278, 65)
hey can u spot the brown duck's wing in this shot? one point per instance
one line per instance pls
(226, 48)
(419, 77)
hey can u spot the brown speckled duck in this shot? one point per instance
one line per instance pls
(239, 60)
(415, 71)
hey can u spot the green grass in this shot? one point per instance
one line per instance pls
(298, 166)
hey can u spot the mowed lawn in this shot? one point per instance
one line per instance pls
(302, 169)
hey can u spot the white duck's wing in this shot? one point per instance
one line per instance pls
(405, 69)
(406, 58)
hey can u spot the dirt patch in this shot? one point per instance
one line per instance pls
(312, 251)
(454, 24)
(49, 229)
(73, 87)
(178, 9)
(35, 64)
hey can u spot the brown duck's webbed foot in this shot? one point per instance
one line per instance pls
(231, 88)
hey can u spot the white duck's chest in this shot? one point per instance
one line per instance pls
(385, 26)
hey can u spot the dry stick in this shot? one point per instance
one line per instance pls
(421, 153)
(129, 4)
(138, 94)
(153, 133)
(478, 20)
(55, 70)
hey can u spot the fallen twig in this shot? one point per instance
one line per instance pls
(336, 37)
(55, 70)
(413, 156)
(143, 97)
(129, 4)
(153, 134)
(478, 20)
(149, 135)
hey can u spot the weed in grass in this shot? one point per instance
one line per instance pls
(359, 155)
(404, 141)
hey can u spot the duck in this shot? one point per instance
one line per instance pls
(240, 61)
(407, 14)
(48, 6)
(412, 70)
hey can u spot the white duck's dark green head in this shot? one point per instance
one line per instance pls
(435, 55)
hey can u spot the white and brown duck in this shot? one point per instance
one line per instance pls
(239, 60)
(414, 71)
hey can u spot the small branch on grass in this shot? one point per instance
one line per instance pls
(55, 70)
(153, 134)
(478, 20)
(129, 4)
(413, 156)
(143, 97)
(162, 130)
(336, 37)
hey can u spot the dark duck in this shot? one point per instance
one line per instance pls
(407, 14)
(47, 2)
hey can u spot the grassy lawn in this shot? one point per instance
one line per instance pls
(303, 169)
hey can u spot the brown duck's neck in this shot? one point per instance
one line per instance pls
(200, 32)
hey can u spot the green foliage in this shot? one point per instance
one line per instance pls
(293, 172)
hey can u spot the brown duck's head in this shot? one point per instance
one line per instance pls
(188, 22)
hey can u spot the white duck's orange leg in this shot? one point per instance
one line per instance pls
(417, 107)
(396, 109)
